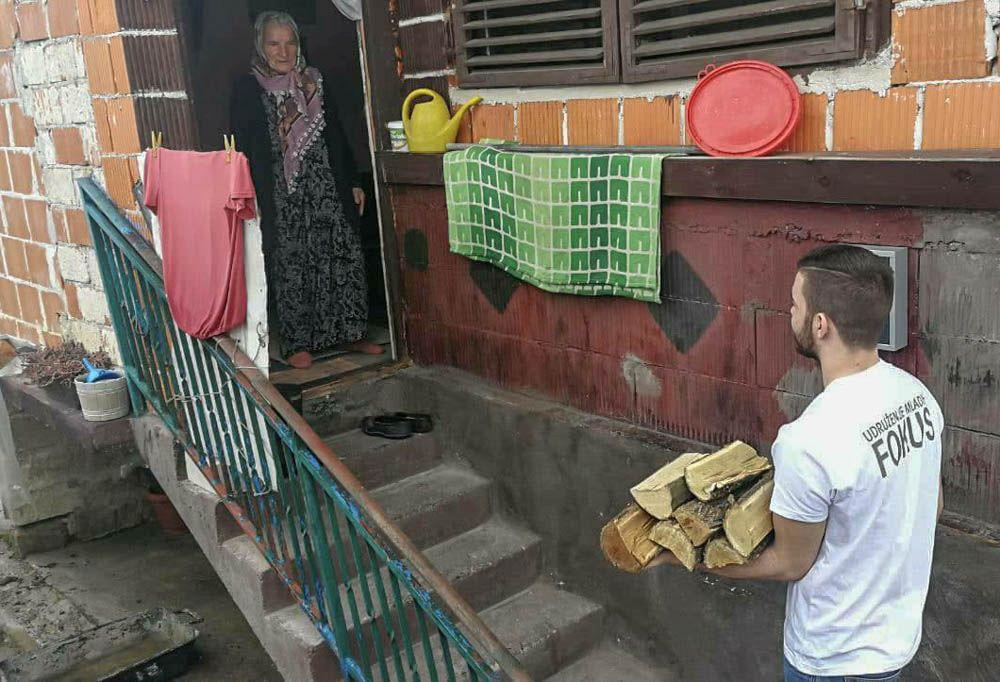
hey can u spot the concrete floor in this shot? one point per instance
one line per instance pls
(133, 571)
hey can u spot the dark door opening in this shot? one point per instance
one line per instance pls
(218, 38)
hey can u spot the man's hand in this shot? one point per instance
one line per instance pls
(359, 199)
(787, 559)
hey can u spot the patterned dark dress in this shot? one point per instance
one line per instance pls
(317, 271)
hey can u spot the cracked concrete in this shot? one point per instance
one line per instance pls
(50, 596)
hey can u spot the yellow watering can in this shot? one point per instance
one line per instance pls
(430, 127)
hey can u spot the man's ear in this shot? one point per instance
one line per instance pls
(822, 325)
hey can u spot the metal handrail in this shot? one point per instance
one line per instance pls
(253, 420)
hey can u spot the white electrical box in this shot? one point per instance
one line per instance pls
(894, 333)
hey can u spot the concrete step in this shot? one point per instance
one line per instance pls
(296, 647)
(485, 565)
(544, 627)
(257, 581)
(608, 663)
(438, 504)
(379, 461)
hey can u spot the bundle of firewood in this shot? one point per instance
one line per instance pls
(712, 508)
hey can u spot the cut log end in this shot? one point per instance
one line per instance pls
(625, 540)
(669, 535)
(665, 490)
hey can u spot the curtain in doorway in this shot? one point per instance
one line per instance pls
(349, 8)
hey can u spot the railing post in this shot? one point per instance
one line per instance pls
(114, 304)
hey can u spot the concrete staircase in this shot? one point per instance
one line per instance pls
(448, 511)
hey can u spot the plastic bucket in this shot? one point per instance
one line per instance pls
(103, 400)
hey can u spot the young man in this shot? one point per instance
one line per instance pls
(857, 484)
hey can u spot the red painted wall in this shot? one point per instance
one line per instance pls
(715, 361)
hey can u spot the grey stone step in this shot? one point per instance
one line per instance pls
(297, 648)
(379, 461)
(485, 565)
(259, 585)
(544, 627)
(438, 504)
(608, 663)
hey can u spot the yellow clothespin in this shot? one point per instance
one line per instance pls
(230, 142)
(156, 139)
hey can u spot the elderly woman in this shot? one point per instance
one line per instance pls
(309, 201)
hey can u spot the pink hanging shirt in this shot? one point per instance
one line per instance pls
(202, 201)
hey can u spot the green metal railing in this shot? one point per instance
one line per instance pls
(379, 604)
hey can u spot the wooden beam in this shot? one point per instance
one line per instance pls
(964, 180)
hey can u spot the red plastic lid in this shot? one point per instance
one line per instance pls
(744, 108)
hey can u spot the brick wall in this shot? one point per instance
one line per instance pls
(78, 91)
(935, 86)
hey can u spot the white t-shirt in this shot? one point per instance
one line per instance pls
(866, 457)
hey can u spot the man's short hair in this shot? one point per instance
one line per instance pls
(853, 287)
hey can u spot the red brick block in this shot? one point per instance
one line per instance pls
(13, 251)
(810, 133)
(31, 305)
(940, 42)
(119, 176)
(21, 174)
(62, 18)
(494, 121)
(864, 121)
(4, 128)
(29, 333)
(77, 230)
(72, 301)
(98, 17)
(68, 143)
(17, 220)
(22, 127)
(8, 298)
(540, 122)
(8, 28)
(464, 126)
(38, 264)
(123, 126)
(7, 89)
(52, 307)
(38, 220)
(52, 340)
(962, 116)
(5, 182)
(31, 22)
(592, 121)
(655, 121)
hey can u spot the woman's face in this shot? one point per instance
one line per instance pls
(281, 47)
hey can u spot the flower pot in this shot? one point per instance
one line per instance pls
(166, 516)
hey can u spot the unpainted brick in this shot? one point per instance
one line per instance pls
(865, 121)
(21, 171)
(9, 304)
(62, 18)
(962, 116)
(31, 21)
(540, 123)
(38, 264)
(810, 133)
(592, 121)
(38, 220)
(72, 301)
(7, 90)
(8, 27)
(493, 121)
(68, 144)
(655, 121)
(31, 304)
(52, 308)
(13, 251)
(17, 220)
(22, 127)
(939, 42)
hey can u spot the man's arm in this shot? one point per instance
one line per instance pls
(788, 558)
(940, 500)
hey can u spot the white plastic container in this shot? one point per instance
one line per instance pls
(103, 401)
(397, 135)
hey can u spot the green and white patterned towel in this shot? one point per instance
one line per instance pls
(585, 224)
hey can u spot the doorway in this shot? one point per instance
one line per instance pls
(218, 40)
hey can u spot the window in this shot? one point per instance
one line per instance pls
(563, 42)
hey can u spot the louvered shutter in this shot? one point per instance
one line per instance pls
(676, 38)
(544, 42)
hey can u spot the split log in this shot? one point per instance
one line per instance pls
(748, 520)
(701, 520)
(666, 489)
(714, 476)
(625, 540)
(669, 534)
(719, 553)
